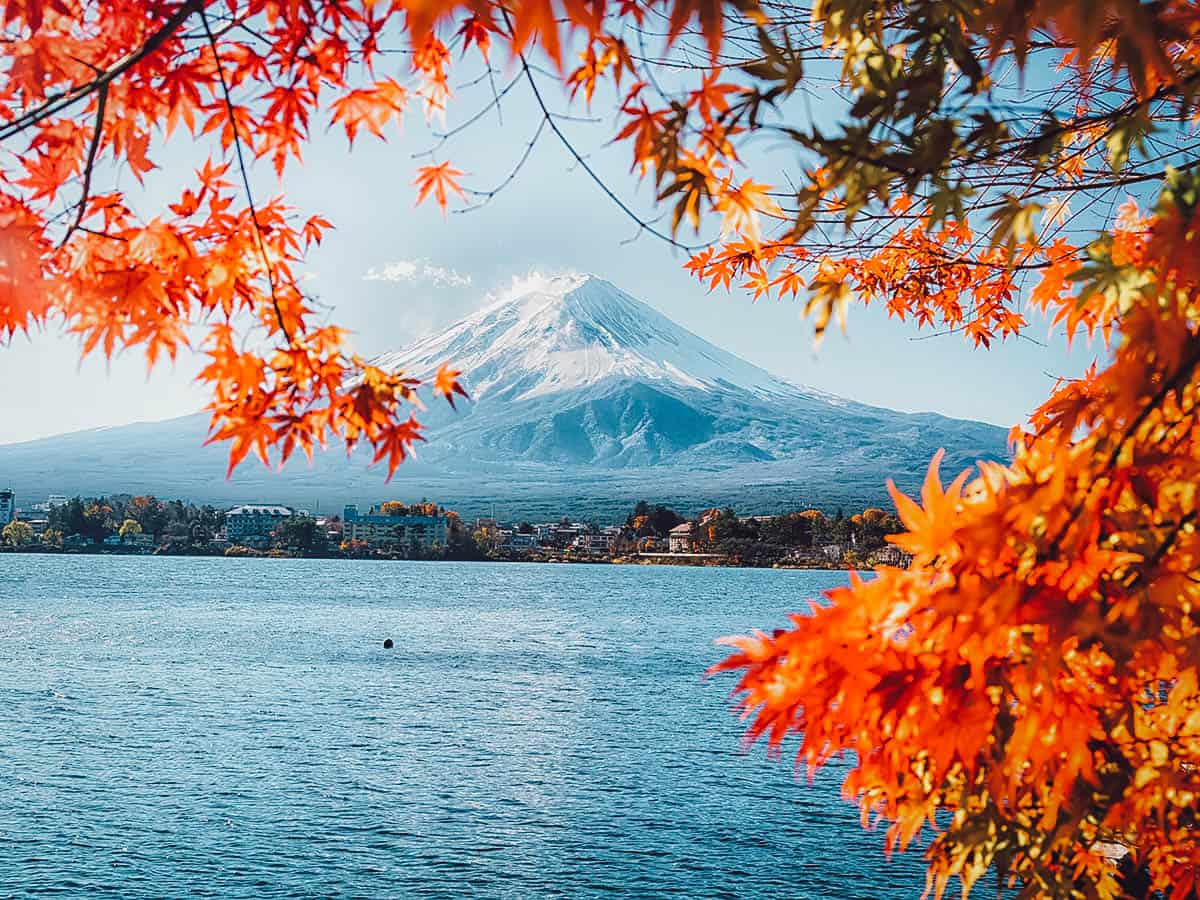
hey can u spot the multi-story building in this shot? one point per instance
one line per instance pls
(37, 522)
(682, 538)
(891, 555)
(560, 534)
(833, 552)
(50, 502)
(255, 521)
(141, 541)
(594, 543)
(8, 507)
(516, 540)
(378, 530)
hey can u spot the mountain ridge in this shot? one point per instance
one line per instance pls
(584, 399)
(557, 317)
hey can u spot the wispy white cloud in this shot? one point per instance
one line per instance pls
(417, 270)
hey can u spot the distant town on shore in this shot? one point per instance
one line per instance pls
(143, 524)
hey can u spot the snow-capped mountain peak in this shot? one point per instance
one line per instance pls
(584, 398)
(561, 333)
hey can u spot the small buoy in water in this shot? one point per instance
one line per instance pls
(388, 645)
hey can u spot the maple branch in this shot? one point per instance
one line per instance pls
(490, 77)
(1168, 542)
(637, 234)
(1176, 383)
(1165, 92)
(443, 136)
(89, 164)
(67, 98)
(486, 196)
(237, 146)
(959, 329)
(646, 226)
(103, 234)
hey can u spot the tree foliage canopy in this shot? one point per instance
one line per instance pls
(17, 533)
(1035, 670)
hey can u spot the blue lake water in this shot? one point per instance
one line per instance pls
(234, 728)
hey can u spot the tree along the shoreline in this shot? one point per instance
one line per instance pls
(809, 536)
(803, 537)
(17, 534)
(166, 522)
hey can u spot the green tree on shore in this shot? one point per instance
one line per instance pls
(17, 534)
(301, 533)
(652, 521)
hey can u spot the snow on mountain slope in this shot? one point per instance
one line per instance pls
(583, 400)
(558, 334)
(572, 371)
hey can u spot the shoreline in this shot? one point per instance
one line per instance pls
(658, 560)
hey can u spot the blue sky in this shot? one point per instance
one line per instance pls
(392, 273)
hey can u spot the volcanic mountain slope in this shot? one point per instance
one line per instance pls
(583, 399)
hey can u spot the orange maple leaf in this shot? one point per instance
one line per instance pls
(932, 524)
(742, 207)
(437, 180)
(476, 30)
(370, 108)
(446, 383)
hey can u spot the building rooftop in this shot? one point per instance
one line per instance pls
(260, 509)
(402, 518)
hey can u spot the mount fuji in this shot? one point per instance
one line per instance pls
(583, 399)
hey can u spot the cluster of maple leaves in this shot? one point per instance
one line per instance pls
(86, 82)
(1050, 615)
(1035, 671)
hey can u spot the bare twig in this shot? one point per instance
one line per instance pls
(103, 234)
(486, 196)
(443, 136)
(537, 95)
(237, 146)
(89, 163)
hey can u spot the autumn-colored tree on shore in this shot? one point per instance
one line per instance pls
(1034, 673)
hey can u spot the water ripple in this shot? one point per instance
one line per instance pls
(233, 728)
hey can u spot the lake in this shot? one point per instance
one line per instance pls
(234, 728)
